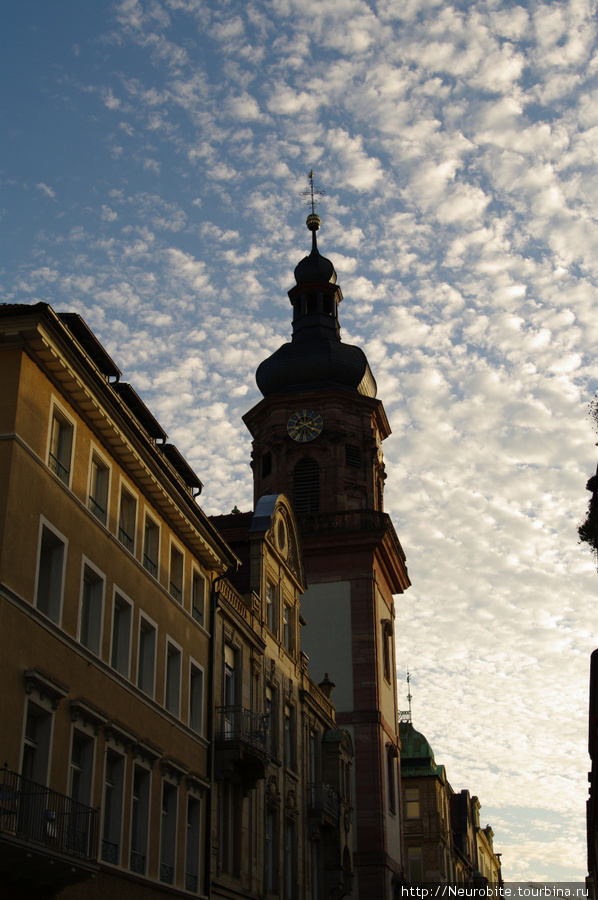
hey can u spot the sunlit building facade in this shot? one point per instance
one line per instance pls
(161, 734)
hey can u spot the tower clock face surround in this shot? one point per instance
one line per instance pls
(305, 425)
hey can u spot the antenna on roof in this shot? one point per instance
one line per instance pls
(405, 714)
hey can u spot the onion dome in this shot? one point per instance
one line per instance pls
(316, 358)
(314, 267)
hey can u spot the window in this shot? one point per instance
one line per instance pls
(271, 850)
(290, 858)
(98, 488)
(139, 820)
(391, 755)
(81, 767)
(192, 854)
(353, 456)
(287, 627)
(146, 662)
(120, 653)
(151, 546)
(414, 864)
(112, 807)
(172, 691)
(266, 464)
(229, 826)
(176, 574)
(198, 597)
(168, 834)
(271, 712)
(315, 869)
(127, 516)
(229, 691)
(50, 573)
(271, 607)
(34, 768)
(412, 803)
(36, 744)
(306, 487)
(290, 742)
(387, 648)
(196, 688)
(92, 602)
(61, 445)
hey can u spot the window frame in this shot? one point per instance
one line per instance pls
(126, 602)
(176, 560)
(100, 579)
(197, 577)
(140, 817)
(60, 539)
(169, 687)
(59, 414)
(113, 811)
(125, 488)
(193, 842)
(150, 625)
(411, 801)
(148, 563)
(168, 838)
(195, 667)
(98, 460)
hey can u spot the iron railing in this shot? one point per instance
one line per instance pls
(235, 723)
(32, 811)
(323, 798)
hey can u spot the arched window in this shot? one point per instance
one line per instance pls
(306, 487)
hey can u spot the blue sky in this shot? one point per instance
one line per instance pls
(154, 157)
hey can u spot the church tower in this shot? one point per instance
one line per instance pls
(317, 437)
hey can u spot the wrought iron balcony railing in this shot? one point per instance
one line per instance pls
(324, 800)
(33, 812)
(235, 723)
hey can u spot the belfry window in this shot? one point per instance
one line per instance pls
(311, 304)
(306, 487)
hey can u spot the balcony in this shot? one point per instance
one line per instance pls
(46, 838)
(324, 801)
(241, 743)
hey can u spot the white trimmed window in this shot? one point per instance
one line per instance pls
(146, 656)
(112, 809)
(196, 697)
(92, 607)
(120, 650)
(127, 519)
(50, 571)
(192, 847)
(151, 546)
(61, 442)
(99, 487)
(198, 597)
(168, 832)
(140, 809)
(172, 688)
(177, 563)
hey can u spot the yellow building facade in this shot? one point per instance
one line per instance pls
(161, 734)
(106, 567)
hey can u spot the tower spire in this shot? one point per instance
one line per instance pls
(405, 714)
(312, 195)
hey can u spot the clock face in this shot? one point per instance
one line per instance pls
(305, 425)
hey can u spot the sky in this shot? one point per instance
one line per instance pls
(154, 158)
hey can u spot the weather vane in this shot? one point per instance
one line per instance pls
(312, 193)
